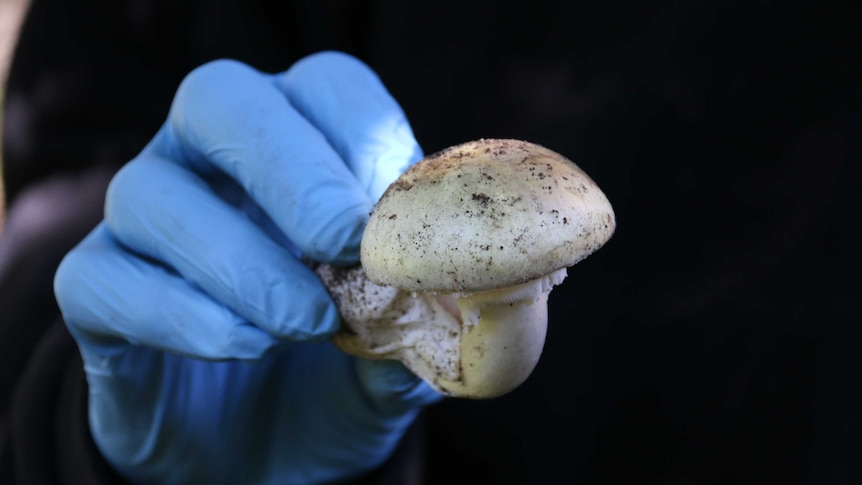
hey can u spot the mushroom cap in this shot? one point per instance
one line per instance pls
(483, 215)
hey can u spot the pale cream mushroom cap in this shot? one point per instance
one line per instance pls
(483, 215)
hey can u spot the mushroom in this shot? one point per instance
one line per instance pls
(458, 259)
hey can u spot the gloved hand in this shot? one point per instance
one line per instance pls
(204, 337)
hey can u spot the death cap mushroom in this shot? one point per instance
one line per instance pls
(458, 260)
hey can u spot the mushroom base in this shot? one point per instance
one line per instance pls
(500, 352)
(477, 346)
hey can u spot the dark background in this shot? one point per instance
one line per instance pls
(712, 340)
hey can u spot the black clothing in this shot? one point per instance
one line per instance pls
(711, 341)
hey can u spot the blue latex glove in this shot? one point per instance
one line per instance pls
(204, 337)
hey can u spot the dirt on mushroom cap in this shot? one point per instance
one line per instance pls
(484, 215)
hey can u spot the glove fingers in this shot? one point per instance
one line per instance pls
(346, 101)
(163, 211)
(228, 116)
(100, 289)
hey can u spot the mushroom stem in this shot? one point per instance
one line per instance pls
(476, 345)
(503, 335)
